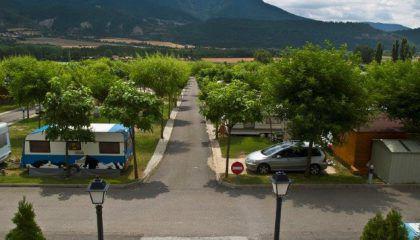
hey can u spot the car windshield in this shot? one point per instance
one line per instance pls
(274, 149)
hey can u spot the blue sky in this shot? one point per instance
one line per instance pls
(405, 12)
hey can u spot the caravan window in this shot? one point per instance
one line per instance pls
(3, 140)
(39, 146)
(74, 146)
(109, 147)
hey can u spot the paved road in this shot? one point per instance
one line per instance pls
(182, 199)
(14, 115)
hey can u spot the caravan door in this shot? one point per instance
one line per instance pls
(5, 148)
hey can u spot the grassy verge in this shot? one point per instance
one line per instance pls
(145, 146)
(341, 176)
(7, 107)
(241, 146)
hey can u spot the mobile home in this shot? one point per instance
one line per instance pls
(112, 149)
(5, 148)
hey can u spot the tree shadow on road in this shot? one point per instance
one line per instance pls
(181, 123)
(235, 192)
(176, 147)
(138, 191)
(358, 199)
(184, 108)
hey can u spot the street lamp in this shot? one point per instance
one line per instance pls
(281, 184)
(97, 190)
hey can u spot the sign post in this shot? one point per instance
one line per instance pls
(237, 168)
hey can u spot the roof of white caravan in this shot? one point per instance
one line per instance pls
(96, 128)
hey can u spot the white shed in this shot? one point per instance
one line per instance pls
(396, 161)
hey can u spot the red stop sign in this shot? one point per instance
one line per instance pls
(237, 168)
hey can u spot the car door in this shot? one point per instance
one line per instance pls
(297, 158)
(280, 161)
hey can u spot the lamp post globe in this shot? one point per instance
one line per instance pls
(97, 190)
(281, 184)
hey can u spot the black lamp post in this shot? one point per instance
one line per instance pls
(281, 184)
(97, 190)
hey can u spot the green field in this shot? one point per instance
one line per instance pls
(7, 107)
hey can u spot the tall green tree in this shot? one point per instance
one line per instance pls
(395, 50)
(133, 108)
(379, 53)
(166, 76)
(67, 113)
(366, 53)
(26, 226)
(236, 103)
(209, 107)
(321, 94)
(23, 80)
(405, 50)
(396, 89)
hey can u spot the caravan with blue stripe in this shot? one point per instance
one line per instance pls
(112, 149)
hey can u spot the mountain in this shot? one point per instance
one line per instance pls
(232, 9)
(412, 34)
(387, 27)
(217, 23)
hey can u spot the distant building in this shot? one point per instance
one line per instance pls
(356, 149)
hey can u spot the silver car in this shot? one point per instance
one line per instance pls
(287, 156)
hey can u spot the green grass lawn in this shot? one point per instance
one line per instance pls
(342, 176)
(7, 107)
(145, 146)
(241, 146)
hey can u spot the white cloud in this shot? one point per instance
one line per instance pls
(405, 12)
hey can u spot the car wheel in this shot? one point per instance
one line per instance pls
(315, 169)
(264, 169)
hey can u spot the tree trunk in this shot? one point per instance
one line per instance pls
(169, 106)
(66, 160)
(39, 115)
(162, 122)
(133, 137)
(217, 130)
(271, 127)
(308, 159)
(228, 153)
(27, 112)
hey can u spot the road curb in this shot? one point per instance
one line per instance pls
(151, 166)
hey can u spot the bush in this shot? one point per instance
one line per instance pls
(390, 228)
(26, 227)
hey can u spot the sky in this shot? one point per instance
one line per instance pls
(405, 12)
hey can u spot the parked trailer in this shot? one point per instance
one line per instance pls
(5, 148)
(112, 149)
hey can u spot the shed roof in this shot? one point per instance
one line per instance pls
(401, 145)
(382, 123)
(95, 127)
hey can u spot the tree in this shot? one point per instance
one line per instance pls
(395, 51)
(209, 107)
(133, 108)
(320, 93)
(366, 53)
(28, 80)
(390, 228)
(263, 56)
(395, 88)
(166, 76)
(98, 75)
(236, 103)
(378, 53)
(26, 227)
(405, 50)
(67, 114)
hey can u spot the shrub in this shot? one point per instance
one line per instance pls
(26, 227)
(390, 228)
